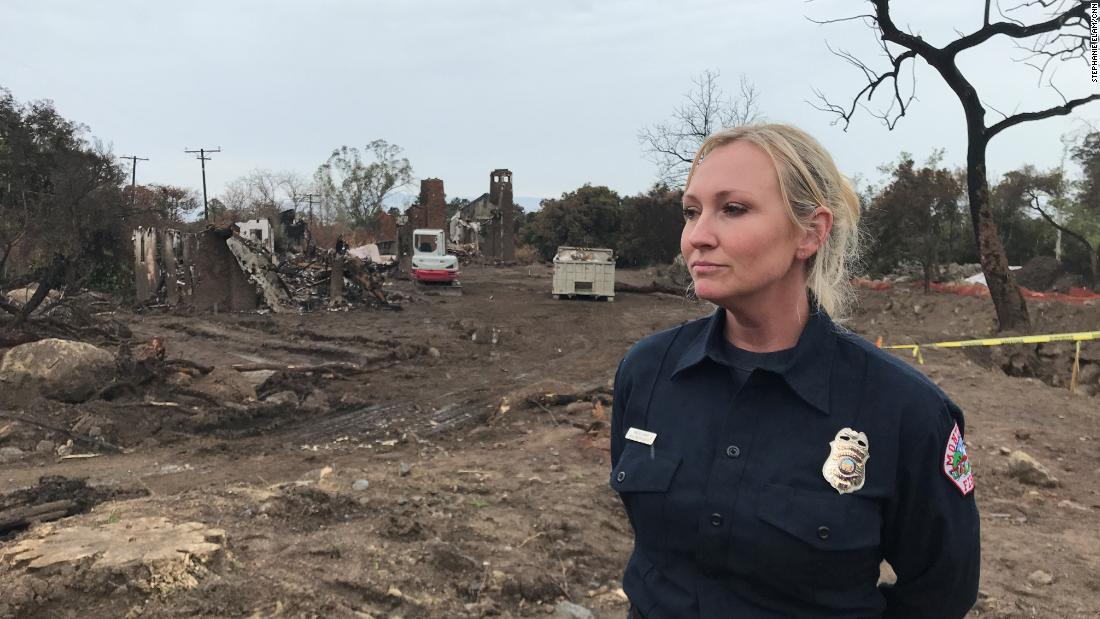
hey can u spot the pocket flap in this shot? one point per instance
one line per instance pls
(640, 470)
(823, 520)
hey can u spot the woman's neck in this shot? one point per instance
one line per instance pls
(767, 327)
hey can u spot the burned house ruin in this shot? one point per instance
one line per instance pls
(193, 269)
(488, 222)
(232, 269)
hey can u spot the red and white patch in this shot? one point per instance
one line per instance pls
(956, 462)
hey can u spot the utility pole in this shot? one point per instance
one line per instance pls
(133, 179)
(313, 199)
(203, 158)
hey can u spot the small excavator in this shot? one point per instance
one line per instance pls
(431, 264)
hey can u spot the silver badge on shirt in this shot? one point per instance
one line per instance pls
(846, 467)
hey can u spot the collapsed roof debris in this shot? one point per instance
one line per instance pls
(255, 261)
(221, 269)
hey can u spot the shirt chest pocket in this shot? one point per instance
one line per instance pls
(821, 538)
(642, 478)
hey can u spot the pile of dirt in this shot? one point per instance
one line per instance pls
(1040, 273)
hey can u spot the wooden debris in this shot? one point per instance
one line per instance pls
(52, 498)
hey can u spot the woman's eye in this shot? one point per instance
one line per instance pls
(734, 208)
(690, 213)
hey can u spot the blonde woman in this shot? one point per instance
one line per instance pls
(769, 460)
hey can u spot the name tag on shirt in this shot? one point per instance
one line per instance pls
(641, 436)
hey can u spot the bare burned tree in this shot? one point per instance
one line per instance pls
(672, 145)
(1062, 35)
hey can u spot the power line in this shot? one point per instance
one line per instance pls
(133, 178)
(310, 198)
(203, 158)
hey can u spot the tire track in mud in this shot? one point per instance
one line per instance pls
(383, 350)
(379, 420)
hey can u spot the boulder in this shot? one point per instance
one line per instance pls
(1089, 375)
(569, 610)
(226, 384)
(1055, 349)
(1029, 471)
(316, 401)
(286, 398)
(20, 296)
(257, 378)
(1040, 578)
(60, 369)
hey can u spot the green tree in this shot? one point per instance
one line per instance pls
(357, 189)
(590, 216)
(1073, 210)
(651, 225)
(160, 205)
(1017, 200)
(1087, 155)
(61, 204)
(916, 215)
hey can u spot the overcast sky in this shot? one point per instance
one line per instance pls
(555, 91)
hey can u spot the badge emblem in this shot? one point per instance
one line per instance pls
(846, 467)
(956, 464)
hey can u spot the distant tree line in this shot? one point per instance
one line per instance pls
(921, 214)
(918, 215)
(643, 229)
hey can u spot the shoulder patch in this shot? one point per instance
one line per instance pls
(956, 464)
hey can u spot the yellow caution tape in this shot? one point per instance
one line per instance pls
(1078, 337)
(1022, 339)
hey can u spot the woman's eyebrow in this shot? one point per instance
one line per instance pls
(734, 193)
(724, 194)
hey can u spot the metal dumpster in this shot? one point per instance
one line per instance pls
(584, 271)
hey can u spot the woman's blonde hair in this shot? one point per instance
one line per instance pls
(808, 178)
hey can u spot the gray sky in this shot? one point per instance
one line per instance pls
(555, 91)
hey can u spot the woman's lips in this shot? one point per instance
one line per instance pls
(703, 268)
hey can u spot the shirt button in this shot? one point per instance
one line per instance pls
(716, 520)
(823, 532)
(733, 451)
(621, 476)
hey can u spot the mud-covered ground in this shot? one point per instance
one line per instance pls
(459, 477)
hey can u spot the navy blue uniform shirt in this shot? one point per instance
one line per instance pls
(732, 513)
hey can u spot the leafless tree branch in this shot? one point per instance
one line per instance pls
(1012, 29)
(874, 80)
(1034, 204)
(822, 22)
(706, 108)
(1058, 110)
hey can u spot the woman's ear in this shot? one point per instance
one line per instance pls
(820, 224)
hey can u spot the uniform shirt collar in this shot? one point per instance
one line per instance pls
(807, 372)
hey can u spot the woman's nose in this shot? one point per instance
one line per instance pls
(700, 233)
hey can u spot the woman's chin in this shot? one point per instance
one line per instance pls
(707, 291)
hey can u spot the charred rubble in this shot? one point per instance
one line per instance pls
(233, 268)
